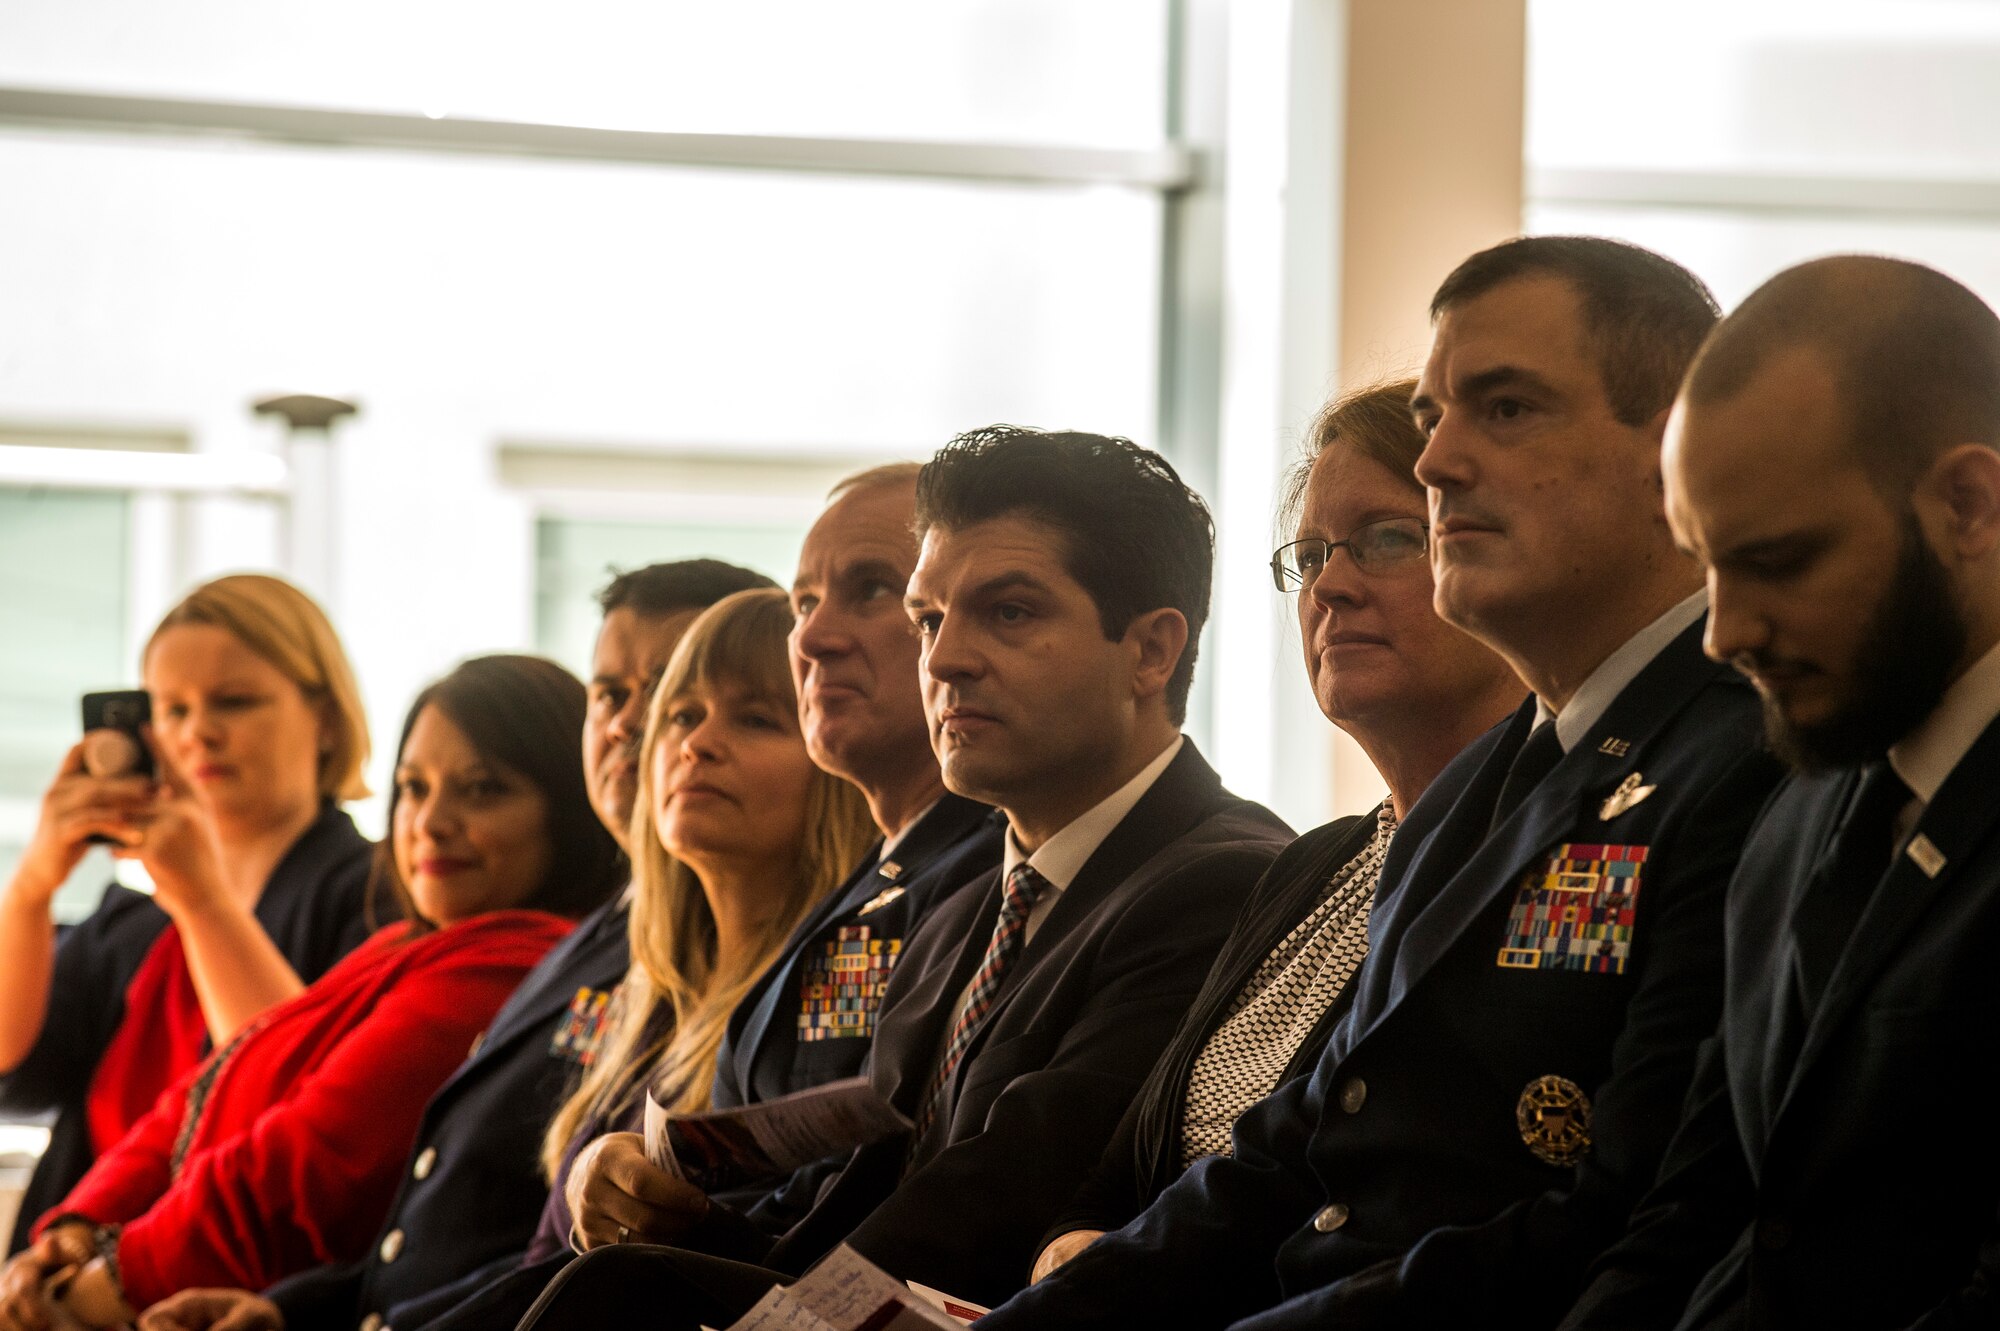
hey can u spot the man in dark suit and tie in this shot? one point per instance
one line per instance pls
(1833, 461)
(1545, 948)
(1063, 582)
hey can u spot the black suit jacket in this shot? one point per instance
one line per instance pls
(1145, 1155)
(1839, 1167)
(473, 1189)
(1079, 1021)
(880, 907)
(1397, 1184)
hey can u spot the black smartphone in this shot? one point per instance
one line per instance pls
(121, 712)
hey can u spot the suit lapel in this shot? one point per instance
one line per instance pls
(1602, 758)
(745, 1040)
(903, 1065)
(1177, 800)
(1954, 823)
(949, 821)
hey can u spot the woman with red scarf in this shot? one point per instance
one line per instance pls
(283, 1150)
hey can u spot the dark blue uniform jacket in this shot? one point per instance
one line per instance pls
(473, 1187)
(1521, 1037)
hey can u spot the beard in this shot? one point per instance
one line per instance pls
(1914, 638)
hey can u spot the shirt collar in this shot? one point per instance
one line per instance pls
(1615, 671)
(1927, 755)
(889, 846)
(1063, 855)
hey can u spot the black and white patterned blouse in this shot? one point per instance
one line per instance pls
(1277, 1010)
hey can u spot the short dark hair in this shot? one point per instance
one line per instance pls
(1133, 534)
(1915, 354)
(1644, 315)
(683, 584)
(524, 713)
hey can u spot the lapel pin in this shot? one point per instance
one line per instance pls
(1924, 852)
(1629, 793)
(890, 870)
(1616, 748)
(880, 900)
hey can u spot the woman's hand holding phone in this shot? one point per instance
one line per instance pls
(76, 807)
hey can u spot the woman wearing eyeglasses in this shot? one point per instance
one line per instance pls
(1412, 691)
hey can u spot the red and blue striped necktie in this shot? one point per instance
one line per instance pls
(1010, 932)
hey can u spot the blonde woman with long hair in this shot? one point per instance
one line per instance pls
(259, 877)
(736, 835)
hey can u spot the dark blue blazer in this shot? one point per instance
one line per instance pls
(1838, 1167)
(1399, 1184)
(473, 1188)
(1077, 1024)
(764, 1054)
(314, 907)
(880, 908)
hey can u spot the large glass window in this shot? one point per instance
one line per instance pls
(1740, 139)
(1051, 71)
(62, 634)
(574, 557)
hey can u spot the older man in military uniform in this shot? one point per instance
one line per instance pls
(1546, 947)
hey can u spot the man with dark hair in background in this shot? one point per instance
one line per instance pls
(1546, 941)
(811, 1019)
(474, 1187)
(1833, 461)
(1062, 582)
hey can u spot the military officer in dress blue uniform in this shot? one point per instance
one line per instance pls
(1063, 584)
(1833, 460)
(1545, 952)
(811, 1018)
(473, 1188)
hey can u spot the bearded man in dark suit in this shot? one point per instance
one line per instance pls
(1835, 460)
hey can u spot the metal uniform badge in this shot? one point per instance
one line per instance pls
(879, 900)
(1630, 792)
(1553, 1115)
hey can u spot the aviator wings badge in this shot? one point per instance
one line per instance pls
(1629, 793)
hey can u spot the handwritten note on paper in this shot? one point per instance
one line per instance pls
(845, 1292)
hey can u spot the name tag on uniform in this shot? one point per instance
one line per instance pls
(843, 984)
(1574, 911)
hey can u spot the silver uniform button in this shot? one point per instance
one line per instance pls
(1330, 1218)
(1353, 1095)
(392, 1245)
(372, 1322)
(426, 1162)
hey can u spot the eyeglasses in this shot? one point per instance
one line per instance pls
(1374, 548)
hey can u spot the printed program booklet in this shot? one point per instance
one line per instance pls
(728, 1148)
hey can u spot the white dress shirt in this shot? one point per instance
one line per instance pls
(1602, 687)
(1927, 755)
(1063, 855)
